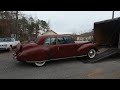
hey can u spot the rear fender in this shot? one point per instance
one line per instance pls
(35, 54)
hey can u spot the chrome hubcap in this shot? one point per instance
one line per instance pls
(92, 53)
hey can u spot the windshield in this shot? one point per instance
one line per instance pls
(5, 39)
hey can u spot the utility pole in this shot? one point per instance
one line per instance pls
(113, 14)
(17, 25)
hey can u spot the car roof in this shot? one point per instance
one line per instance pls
(46, 36)
(42, 38)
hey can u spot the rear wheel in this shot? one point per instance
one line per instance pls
(39, 64)
(92, 53)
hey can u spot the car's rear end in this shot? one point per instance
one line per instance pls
(17, 51)
(25, 52)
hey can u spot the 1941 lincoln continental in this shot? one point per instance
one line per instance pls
(53, 47)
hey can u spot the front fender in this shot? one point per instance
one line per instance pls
(85, 48)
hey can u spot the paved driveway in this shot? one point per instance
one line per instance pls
(63, 69)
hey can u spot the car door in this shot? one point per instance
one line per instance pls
(67, 48)
(51, 44)
(62, 47)
(53, 48)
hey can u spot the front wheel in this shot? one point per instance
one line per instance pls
(39, 64)
(91, 53)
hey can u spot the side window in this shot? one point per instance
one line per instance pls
(47, 41)
(68, 40)
(53, 41)
(8, 39)
(60, 40)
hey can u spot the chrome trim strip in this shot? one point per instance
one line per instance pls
(69, 57)
(81, 56)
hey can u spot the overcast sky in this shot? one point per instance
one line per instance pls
(67, 22)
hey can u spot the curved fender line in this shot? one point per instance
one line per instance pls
(86, 46)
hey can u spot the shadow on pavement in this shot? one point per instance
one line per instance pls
(3, 51)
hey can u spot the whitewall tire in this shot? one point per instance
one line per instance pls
(92, 53)
(40, 63)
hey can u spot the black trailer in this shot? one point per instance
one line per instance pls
(107, 34)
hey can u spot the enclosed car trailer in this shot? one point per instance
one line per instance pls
(107, 35)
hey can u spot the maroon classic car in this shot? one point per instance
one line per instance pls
(53, 47)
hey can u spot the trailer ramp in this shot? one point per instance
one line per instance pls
(105, 54)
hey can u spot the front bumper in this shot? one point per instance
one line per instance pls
(3, 48)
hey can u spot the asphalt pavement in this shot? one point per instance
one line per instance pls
(61, 69)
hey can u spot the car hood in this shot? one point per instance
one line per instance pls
(3, 43)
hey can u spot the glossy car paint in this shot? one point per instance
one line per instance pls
(39, 52)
